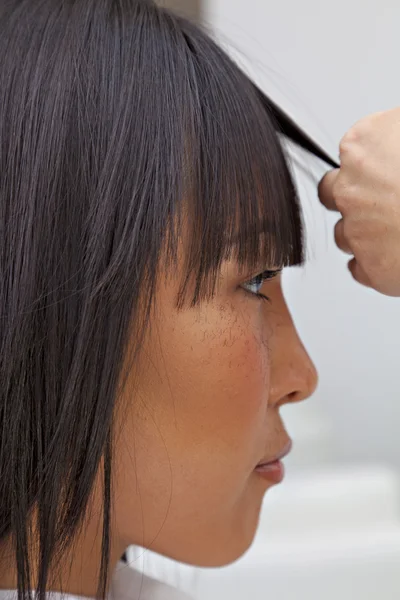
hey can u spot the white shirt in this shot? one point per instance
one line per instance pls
(126, 584)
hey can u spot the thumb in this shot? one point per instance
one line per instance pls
(325, 189)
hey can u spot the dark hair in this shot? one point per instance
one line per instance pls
(119, 122)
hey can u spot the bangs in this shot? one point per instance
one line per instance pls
(239, 197)
(200, 162)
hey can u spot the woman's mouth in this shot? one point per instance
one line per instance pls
(273, 469)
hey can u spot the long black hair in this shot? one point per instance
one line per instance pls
(120, 124)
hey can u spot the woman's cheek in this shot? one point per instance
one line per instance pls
(226, 369)
(249, 378)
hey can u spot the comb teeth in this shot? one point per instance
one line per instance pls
(292, 131)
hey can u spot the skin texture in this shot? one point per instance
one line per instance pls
(366, 191)
(201, 410)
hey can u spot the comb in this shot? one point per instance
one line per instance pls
(290, 129)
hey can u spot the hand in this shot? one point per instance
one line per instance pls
(366, 191)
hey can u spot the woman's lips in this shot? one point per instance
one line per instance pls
(273, 469)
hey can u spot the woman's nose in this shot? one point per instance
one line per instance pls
(293, 373)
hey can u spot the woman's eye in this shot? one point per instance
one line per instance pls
(253, 286)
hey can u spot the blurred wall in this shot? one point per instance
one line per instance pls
(329, 64)
(189, 8)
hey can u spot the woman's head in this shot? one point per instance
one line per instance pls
(143, 191)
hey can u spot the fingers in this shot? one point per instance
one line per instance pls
(358, 273)
(325, 189)
(354, 267)
(340, 237)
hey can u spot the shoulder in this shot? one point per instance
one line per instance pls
(130, 584)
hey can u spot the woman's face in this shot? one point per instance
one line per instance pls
(203, 413)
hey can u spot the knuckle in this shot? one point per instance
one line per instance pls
(352, 151)
(341, 236)
(364, 126)
(324, 185)
(341, 193)
(354, 136)
(358, 159)
(338, 230)
(355, 232)
(351, 136)
(346, 143)
(348, 196)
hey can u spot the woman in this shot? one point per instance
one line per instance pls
(146, 214)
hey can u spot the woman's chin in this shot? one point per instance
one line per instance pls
(227, 558)
(216, 551)
(227, 549)
(236, 540)
(225, 555)
(218, 543)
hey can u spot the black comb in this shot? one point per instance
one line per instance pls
(292, 131)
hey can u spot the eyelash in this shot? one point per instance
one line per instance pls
(259, 280)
